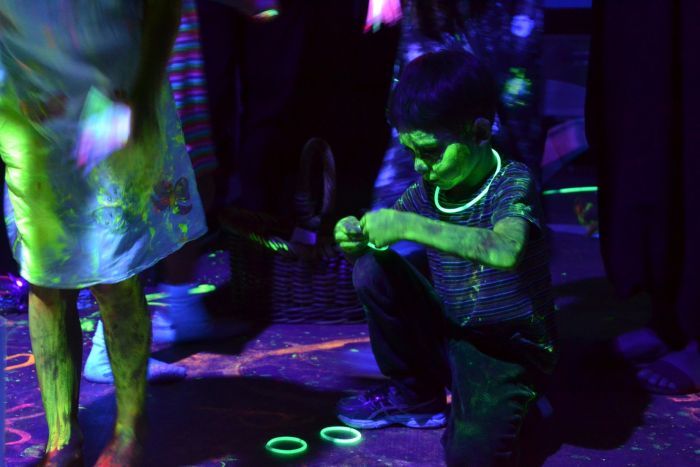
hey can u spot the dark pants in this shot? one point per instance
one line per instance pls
(416, 345)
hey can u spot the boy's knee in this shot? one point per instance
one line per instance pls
(365, 270)
(120, 289)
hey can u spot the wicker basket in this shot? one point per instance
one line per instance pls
(291, 271)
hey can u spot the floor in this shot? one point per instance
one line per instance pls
(284, 379)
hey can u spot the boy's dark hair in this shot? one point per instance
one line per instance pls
(442, 92)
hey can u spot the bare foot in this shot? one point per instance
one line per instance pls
(639, 346)
(120, 452)
(674, 373)
(70, 455)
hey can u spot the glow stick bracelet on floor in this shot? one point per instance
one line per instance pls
(300, 446)
(336, 435)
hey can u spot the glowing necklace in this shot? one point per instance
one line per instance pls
(474, 200)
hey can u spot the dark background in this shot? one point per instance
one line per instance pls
(313, 72)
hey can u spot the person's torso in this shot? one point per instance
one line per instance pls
(474, 294)
(65, 47)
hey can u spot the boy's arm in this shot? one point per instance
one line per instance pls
(498, 248)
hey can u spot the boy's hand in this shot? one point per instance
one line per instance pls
(349, 236)
(385, 226)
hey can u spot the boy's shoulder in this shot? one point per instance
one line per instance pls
(514, 173)
(416, 191)
(515, 169)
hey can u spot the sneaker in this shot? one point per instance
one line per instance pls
(181, 316)
(99, 370)
(387, 405)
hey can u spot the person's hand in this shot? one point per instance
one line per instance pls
(382, 12)
(349, 236)
(385, 226)
(144, 117)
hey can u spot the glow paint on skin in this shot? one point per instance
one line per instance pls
(476, 198)
(57, 361)
(129, 349)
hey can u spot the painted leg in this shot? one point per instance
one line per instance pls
(57, 346)
(127, 328)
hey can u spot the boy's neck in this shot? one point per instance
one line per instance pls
(482, 171)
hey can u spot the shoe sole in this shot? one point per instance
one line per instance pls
(411, 421)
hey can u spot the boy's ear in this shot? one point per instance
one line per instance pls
(482, 130)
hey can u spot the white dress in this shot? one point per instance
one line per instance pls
(72, 225)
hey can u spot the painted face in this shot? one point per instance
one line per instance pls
(441, 163)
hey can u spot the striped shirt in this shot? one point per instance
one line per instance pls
(186, 74)
(476, 295)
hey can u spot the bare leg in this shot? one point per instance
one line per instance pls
(128, 334)
(57, 345)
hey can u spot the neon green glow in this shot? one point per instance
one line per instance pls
(341, 435)
(269, 244)
(87, 325)
(273, 446)
(202, 289)
(575, 189)
(198, 290)
(517, 88)
(155, 296)
(267, 14)
(375, 247)
(476, 198)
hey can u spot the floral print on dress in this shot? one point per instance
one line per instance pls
(173, 196)
(112, 209)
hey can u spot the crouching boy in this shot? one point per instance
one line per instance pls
(479, 323)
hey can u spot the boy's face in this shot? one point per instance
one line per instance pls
(441, 163)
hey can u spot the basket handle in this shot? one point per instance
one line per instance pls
(307, 215)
